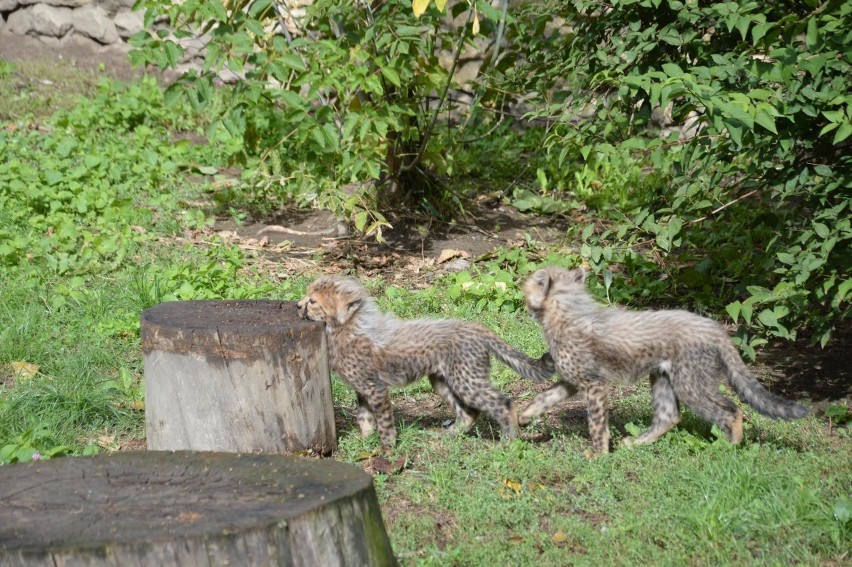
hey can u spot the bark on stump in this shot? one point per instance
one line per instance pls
(189, 509)
(240, 376)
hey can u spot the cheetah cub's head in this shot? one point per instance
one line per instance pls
(334, 300)
(547, 282)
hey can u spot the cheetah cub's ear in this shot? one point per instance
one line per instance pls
(536, 289)
(577, 275)
(349, 293)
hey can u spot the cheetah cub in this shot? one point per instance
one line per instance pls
(684, 354)
(372, 351)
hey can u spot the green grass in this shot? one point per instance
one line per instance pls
(469, 501)
(70, 303)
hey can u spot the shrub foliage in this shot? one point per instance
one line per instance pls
(756, 207)
(711, 137)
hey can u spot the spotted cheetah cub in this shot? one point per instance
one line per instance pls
(372, 351)
(684, 354)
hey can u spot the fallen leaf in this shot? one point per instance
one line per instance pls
(106, 441)
(384, 466)
(514, 485)
(24, 369)
(363, 455)
(449, 254)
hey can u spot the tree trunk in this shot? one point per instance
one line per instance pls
(187, 509)
(238, 376)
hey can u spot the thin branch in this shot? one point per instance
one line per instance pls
(428, 134)
(500, 28)
(491, 63)
(282, 21)
(726, 205)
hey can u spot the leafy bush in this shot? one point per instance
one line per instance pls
(342, 96)
(756, 213)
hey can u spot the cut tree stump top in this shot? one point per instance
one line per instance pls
(183, 327)
(93, 505)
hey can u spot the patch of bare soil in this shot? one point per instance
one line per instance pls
(410, 248)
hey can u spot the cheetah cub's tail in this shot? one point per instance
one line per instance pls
(530, 368)
(753, 393)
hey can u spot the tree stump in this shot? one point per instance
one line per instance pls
(239, 376)
(190, 509)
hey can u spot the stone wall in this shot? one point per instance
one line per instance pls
(58, 22)
(104, 24)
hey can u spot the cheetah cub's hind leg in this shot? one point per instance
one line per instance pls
(557, 393)
(666, 412)
(465, 416)
(697, 386)
(478, 394)
(364, 417)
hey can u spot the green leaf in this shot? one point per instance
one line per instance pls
(786, 258)
(733, 110)
(672, 70)
(759, 30)
(258, 6)
(736, 132)
(733, 310)
(255, 27)
(767, 317)
(743, 24)
(360, 220)
(319, 136)
(843, 508)
(836, 411)
(293, 61)
(813, 33)
(542, 178)
(746, 311)
(764, 118)
(391, 75)
(633, 429)
(842, 133)
(173, 54)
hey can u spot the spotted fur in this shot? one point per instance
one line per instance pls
(684, 354)
(372, 351)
